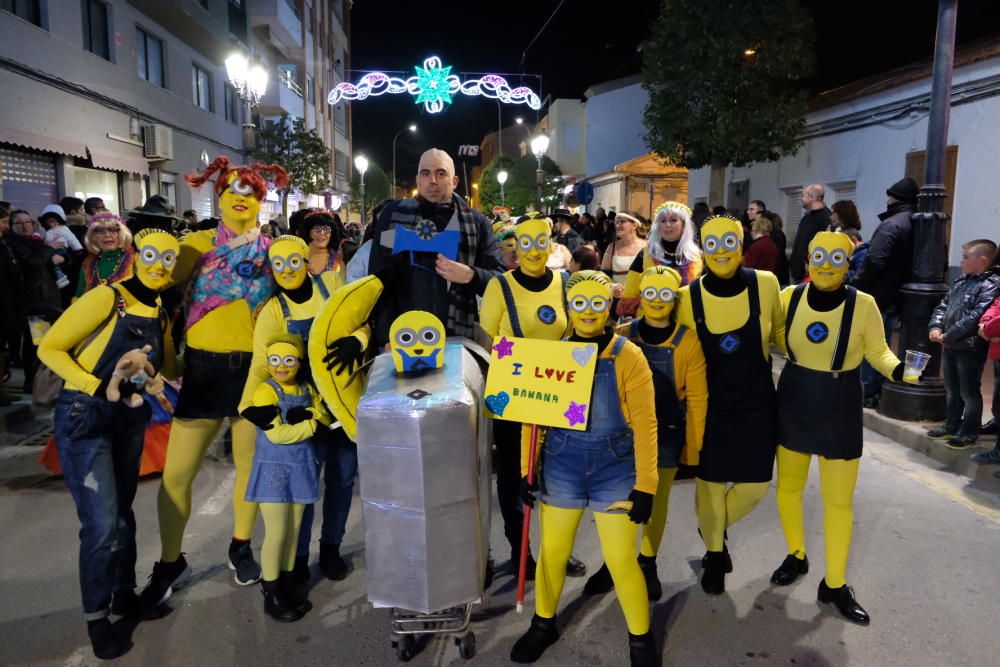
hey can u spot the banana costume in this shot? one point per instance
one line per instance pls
(736, 313)
(829, 330)
(613, 459)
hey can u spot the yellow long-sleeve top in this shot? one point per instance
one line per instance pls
(691, 385)
(79, 322)
(289, 434)
(271, 320)
(635, 394)
(226, 328)
(867, 340)
(495, 318)
(724, 314)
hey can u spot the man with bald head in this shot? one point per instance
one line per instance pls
(431, 281)
(816, 219)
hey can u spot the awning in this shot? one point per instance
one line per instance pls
(42, 143)
(134, 164)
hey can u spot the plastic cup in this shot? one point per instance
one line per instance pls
(914, 365)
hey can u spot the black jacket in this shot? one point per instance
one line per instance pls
(38, 286)
(958, 314)
(890, 258)
(570, 239)
(811, 224)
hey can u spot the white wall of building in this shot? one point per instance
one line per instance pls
(567, 128)
(614, 124)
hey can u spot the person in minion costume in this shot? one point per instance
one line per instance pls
(527, 302)
(736, 313)
(613, 460)
(829, 329)
(298, 300)
(228, 280)
(100, 442)
(284, 478)
(681, 393)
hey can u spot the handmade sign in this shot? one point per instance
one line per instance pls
(425, 237)
(541, 381)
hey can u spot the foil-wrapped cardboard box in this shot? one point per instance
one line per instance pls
(423, 458)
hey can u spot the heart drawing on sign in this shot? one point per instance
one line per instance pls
(582, 355)
(497, 403)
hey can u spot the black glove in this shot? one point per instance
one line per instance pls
(299, 413)
(344, 353)
(261, 416)
(528, 491)
(642, 506)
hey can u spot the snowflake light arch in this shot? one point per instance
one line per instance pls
(434, 86)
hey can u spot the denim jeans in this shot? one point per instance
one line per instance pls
(339, 458)
(963, 376)
(871, 379)
(100, 447)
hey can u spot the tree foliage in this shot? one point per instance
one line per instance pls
(377, 190)
(520, 190)
(725, 80)
(300, 151)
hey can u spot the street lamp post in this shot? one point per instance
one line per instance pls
(250, 83)
(361, 164)
(412, 128)
(925, 401)
(539, 145)
(501, 179)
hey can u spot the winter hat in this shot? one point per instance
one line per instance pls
(53, 209)
(904, 190)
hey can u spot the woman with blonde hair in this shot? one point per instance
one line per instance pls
(109, 253)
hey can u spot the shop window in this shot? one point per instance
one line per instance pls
(149, 57)
(201, 88)
(96, 183)
(97, 28)
(916, 164)
(168, 187)
(29, 10)
(231, 103)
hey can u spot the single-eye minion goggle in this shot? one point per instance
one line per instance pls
(289, 360)
(294, 261)
(580, 304)
(727, 243)
(150, 255)
(665, 295)
(526, 243)
(836, 257)
(408, 337)
(241, 187)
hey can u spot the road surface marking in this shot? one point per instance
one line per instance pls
(221, 498)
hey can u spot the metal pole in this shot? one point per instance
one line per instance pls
(465, 173)
(249, 136)
(503, 201)
(363, 218)
(925, 402)
(538, 185)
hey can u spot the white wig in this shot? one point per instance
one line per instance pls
(687, 248)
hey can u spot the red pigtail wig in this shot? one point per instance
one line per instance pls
(253, 175)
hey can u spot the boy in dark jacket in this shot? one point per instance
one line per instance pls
(955, 325)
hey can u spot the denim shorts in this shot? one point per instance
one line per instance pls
(581, 470)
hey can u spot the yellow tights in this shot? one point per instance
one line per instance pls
(719, 507)
(652, 532)
(189, 439)
(281, 535)
(617, 536)
(837, 478)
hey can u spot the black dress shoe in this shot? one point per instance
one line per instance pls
(104, 641)
(791, 569)
(532, 644)
(843, 598)
(725, 552)
(642, 650)
(654, 589)
(713, 579)
(990, 427)
(575, 568)
(600, 582)
(277, 605)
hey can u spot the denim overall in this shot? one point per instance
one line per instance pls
(596, 467)
(284, 473)
(670, 422)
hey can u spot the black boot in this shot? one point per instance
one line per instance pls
(575, 567)
(725, 552)
(300, 573)
(713, 579)
(125, 603)
(600, 582)
(276, 603)
(532, 644)
(295, 594)
(791, 569)
(642, 650)
(103, 640)
(654, 588)
(843, 598)
(330, 562)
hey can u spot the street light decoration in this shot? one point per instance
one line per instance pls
(434, 86)
(361, 164)
(250, 81)
(502, 177)
(539, 145)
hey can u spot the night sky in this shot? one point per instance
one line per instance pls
(582, 46)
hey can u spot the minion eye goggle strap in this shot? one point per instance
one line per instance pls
(652, 294)
(727, 243)
(836, 257)
(150, 255)
(580, 304)
(294, 260)
(526, 242)
(276, 360)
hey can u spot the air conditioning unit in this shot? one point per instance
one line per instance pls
(157, 142)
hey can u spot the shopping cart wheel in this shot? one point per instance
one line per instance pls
(404, 647)
(466, 645)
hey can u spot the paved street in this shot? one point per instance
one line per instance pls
(924, 565)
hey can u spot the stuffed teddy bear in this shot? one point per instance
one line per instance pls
(134, 367)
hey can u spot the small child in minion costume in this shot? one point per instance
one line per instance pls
(829, 329)
(736, 313)
(614, 459)
(680, 388)
(284, 478)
